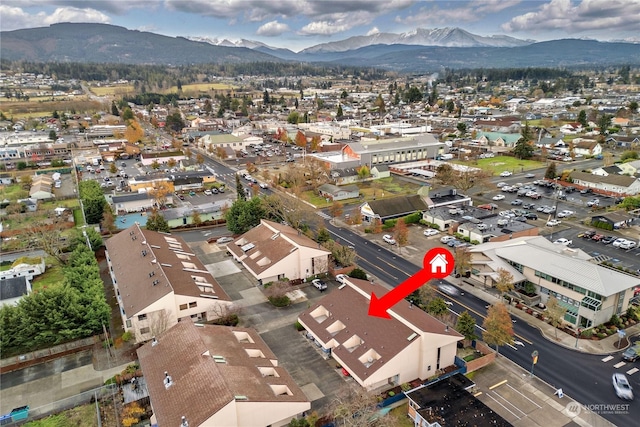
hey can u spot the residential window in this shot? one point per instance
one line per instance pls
(128, 323)
(193, 304)
(183, 306)
(142, 317)
(144, 330)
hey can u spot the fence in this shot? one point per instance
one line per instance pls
(38, 356)
(105, 392)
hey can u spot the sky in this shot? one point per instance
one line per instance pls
(297, 24)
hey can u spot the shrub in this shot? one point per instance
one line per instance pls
(601, 335)
(587, 334)
(413, 218)
(358, 273)
(127, 336)
(405, 387)
(298, 326)
(392, 393)
(280, 301)
(615, 320)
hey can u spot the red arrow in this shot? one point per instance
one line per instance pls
(437, 264)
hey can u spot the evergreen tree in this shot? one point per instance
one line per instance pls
(582, 118)
(339, 114)
(114, 109)
(466, 325)
(156, 222)
(551, 173)
(240, 189)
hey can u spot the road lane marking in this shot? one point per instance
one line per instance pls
(606, 359)
(619, 365)
(632, 371)
(498, 384)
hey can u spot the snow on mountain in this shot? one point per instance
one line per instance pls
(446, 37)
(250, 44)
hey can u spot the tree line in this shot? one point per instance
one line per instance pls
(73, 309)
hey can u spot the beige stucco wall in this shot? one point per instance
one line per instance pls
(259, 414)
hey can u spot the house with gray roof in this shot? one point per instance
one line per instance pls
(394, 207)
(12, 289)
(133, 202)
(336, 193)
(207, 375)
(590, 292)
(613, 184)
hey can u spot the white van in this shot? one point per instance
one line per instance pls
(446, 157)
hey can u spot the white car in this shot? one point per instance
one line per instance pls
(225, 239)
(263, 185)
(622, 387)
(565, 213)
(498, 197)
(618, 242)
(501, 184)
(341, 278)
(448, 289)
(505, 174)
(629, 244)
(447, 239)
(207, 192)
(389, 239)
(319, 285)
(563, 241)
(553, 223)
(430, 232)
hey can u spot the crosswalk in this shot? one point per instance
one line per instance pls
(323, 215)
(620, 365)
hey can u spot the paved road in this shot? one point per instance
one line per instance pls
(584, 377)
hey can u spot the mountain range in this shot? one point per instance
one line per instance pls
(421, 50)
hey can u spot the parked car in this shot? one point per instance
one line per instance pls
(565, 213)
(225, 239)
(608, 239)
(453, 243)
(586, 191)
(598, 237)
(530, 215)
(487, 206)
(430, 232)
(319, 285)
(389, 239)
(207, 192)
(447, 239)
(622, 387)
(516, 202)
(341, 278)
(563, 241)
(505, 174)
(629, 244)
(593, 203)
(263, 185)
(587, 234)
(632, 353)
(553, 222)
(498, 197)
(501, 184)
(618, 242)
(528, 205)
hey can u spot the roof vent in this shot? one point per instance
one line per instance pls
(154, 342)
(168, 382)
(155, 282)
(144, 242)
(144, 253)
(153, 273)
(184, 422)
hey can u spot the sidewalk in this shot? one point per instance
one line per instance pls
(603, 346)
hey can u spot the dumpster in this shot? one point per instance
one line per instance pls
(21, 413)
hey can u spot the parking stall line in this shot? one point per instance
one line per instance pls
(523, 395)
(506, 409)
(524, 414)
(498, 384)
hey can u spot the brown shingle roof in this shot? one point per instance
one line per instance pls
(387, 337)
(200, 385)
(141, 257)
(272, 242)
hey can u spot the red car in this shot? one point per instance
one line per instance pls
(598, 237)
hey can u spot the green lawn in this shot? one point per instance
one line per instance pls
(80, 416)
(504, 163)
(12, 192)
(53, 276)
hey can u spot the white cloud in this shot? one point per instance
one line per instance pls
(323, 28)
(272, 29)
(14, 18)
(588, 15)
(493, 6)
(118, 7)
(436, 16)
(373, 31)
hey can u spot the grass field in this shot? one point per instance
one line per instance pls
(202, 87)
(112, 90)
(504, 163)
(80, 416)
